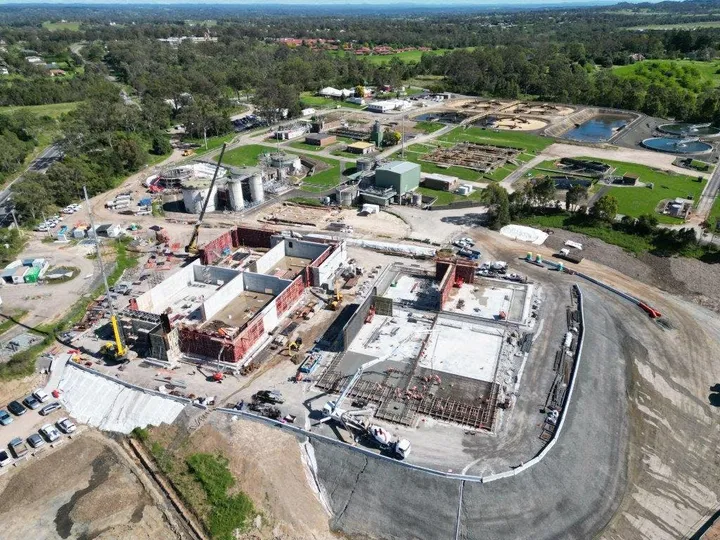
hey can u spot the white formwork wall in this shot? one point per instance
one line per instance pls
(270, 259)
(223, 296)
(155, 300)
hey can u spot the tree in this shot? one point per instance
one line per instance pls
(30, 197)
(497, 200)
(605, 209)
(160, 145)
(360, 91)
(574, 195)
(391, 137)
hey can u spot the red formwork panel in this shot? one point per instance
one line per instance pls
(323, 256)
(200, 343)
(289, 296)
(248, 338)
(251, 237)
(212, 252)
(466, 271)
(446, 284)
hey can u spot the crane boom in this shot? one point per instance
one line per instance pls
(192, 245)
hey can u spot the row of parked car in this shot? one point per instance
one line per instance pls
(48, 433)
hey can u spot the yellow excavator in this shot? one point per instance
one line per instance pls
(334, 303)
(192, 247)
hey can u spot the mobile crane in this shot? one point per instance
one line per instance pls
(192, 247)
(350, 418)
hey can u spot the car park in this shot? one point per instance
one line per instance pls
(5, 418)
(41, 395)
(31, 402)
(50, 433)
(35, 440)
(18, 447)
(50, 408)
(5, 458)
(66, 425)
(16, 408)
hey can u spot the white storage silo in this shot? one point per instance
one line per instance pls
(256, 187)
(194, 194)
(236, 195)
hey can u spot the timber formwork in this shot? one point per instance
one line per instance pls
(399, 405)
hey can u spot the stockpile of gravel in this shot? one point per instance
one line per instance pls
(689, 278)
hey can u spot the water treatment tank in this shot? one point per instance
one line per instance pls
(346, 197)
(194, 194)
(282, 160)
(364, 164)
(256, 188)
(234, 185)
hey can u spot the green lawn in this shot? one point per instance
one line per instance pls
(54, 110)
(636, 201)
(304, 146)
(526, 141)
(429, 127)
(714, 216)
(446, 197)
(500, 173)
(244, 155)
(309, 99)
(212, 142)
(678, 26)
(323, 180)
(694, 75)
(73, 26)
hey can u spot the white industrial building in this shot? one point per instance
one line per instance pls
(388, 105)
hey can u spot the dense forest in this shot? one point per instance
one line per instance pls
(558, 55)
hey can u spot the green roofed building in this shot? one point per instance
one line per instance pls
(402, 176)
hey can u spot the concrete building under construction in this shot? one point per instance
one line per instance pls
(224, 305)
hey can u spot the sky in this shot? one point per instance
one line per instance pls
(352, 3)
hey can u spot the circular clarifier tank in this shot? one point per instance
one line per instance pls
(690, 130)
(677, 146)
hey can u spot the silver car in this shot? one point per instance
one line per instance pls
(50, 432)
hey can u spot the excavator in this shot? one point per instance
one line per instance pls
(334, 303)
(192, 247)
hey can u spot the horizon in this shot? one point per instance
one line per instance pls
(336, 3)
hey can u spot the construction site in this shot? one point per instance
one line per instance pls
(442, 344)
(478, 157)
(225, 305)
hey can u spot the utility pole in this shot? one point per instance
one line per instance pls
(402, 136)
(44, 219)
(12, 213)
(205, 136)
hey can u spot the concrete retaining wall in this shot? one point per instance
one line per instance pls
(270, 259)
(223, 296)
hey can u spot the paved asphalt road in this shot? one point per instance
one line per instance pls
(572, 493)
(708, 195)
(40, 164)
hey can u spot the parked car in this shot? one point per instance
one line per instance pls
(66, 425)
(16, 408)
(41, 395)
(269, 396)
(5, 418)
(49, 408)
(35, 440)
(18, 447)
(5, 458)
(50, 432)
(31, 402)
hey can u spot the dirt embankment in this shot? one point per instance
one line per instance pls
(85, 489)
(691, 279)
(266, 465)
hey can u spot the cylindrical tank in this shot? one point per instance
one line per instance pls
(256, 188)
(281, 160)
(236, 195)
(538, 258)
(529, 256)
(346, 197)
(364, 164)
(194, 194)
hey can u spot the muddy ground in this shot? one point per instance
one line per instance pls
(691, 279)
(85, 489)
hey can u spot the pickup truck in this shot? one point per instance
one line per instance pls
(18, 447)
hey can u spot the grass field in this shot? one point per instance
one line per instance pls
(689, 25)
(309, 99)
(407, 56)
(446, 197)
(636, 201)
(244, 155)
(693, 75)
(323, 180)
(429, 127)
(212, 142)
(54, 110)
(714, 216)
(73, 26)
(526, 141)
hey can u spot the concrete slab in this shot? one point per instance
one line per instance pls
(243, 308)
(289, 264)
(399, 336)
(488, 298)
(414, 291)
(463, 349)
